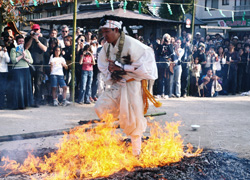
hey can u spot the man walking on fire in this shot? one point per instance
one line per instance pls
(126, 64)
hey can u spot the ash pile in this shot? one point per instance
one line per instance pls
(210, 165)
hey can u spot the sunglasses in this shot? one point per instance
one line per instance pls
(64, 31)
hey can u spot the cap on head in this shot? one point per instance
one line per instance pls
(235, 37)
(35, 26)
(198, 33)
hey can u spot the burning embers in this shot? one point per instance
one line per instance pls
(101, 152)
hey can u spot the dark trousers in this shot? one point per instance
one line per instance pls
(241, 74)
(194, 86)
(225, 76)
(184, 79)
(163, 82)
(37, 80)
(3, 86)
(232, 82)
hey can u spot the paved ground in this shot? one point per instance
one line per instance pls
(224, 122)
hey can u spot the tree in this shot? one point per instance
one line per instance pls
(10, 10)
(176, 9)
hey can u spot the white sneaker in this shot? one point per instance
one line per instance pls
(157, 97)
(55, 102)
(166, 97)
(66, 103)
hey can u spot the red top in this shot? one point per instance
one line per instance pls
(87, 64)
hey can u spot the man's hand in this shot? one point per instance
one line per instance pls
(112, 67)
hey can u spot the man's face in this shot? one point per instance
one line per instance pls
(110, 35)
(65, 32)
(53, 34)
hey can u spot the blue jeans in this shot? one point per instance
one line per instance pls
(175, 81)
(85, 86)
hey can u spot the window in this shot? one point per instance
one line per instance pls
(225, 2)
(212, 4)
(241, 2)
(51, 13)
(63, 11)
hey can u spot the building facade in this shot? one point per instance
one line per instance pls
(226, 17)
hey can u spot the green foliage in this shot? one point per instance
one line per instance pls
(176, 9)
(134, 5)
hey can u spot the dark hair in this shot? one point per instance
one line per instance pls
(87, 47)
(69, 38)
(53, 30)
(81, 35)
(54, 49)
(100, 40)
(7, 28)
(93, 36)
(53, 40)
(19, 37)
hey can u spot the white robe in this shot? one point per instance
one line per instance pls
(124, 100)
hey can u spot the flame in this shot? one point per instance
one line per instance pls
(101, 151)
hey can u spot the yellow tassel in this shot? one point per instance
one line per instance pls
(147, 95)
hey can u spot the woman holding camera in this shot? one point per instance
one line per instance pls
(22, 95)
(87, 61)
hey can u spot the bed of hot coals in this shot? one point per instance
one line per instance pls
(211, 164)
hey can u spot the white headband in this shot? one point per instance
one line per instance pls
(112, 24)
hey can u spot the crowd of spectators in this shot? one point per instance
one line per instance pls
(203, 67)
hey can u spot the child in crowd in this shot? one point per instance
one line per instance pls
(196, 70)
(57, 63)
(4, 60)
(87, 60)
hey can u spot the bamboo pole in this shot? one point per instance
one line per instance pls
(193, 25)
(73, 54)
(1, 19)
(193, 19)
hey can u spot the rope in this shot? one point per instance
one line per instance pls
(147, 95)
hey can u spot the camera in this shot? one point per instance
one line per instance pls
(166, 40)
(82, 40)
(34, 33)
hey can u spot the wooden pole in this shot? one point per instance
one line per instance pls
(73, 54)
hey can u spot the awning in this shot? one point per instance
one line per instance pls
(91, 15)
(241, 29)
(215, 27)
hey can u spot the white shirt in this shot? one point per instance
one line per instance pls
(178, 58)
(61, 42)
(4, 60)
(57, 68)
